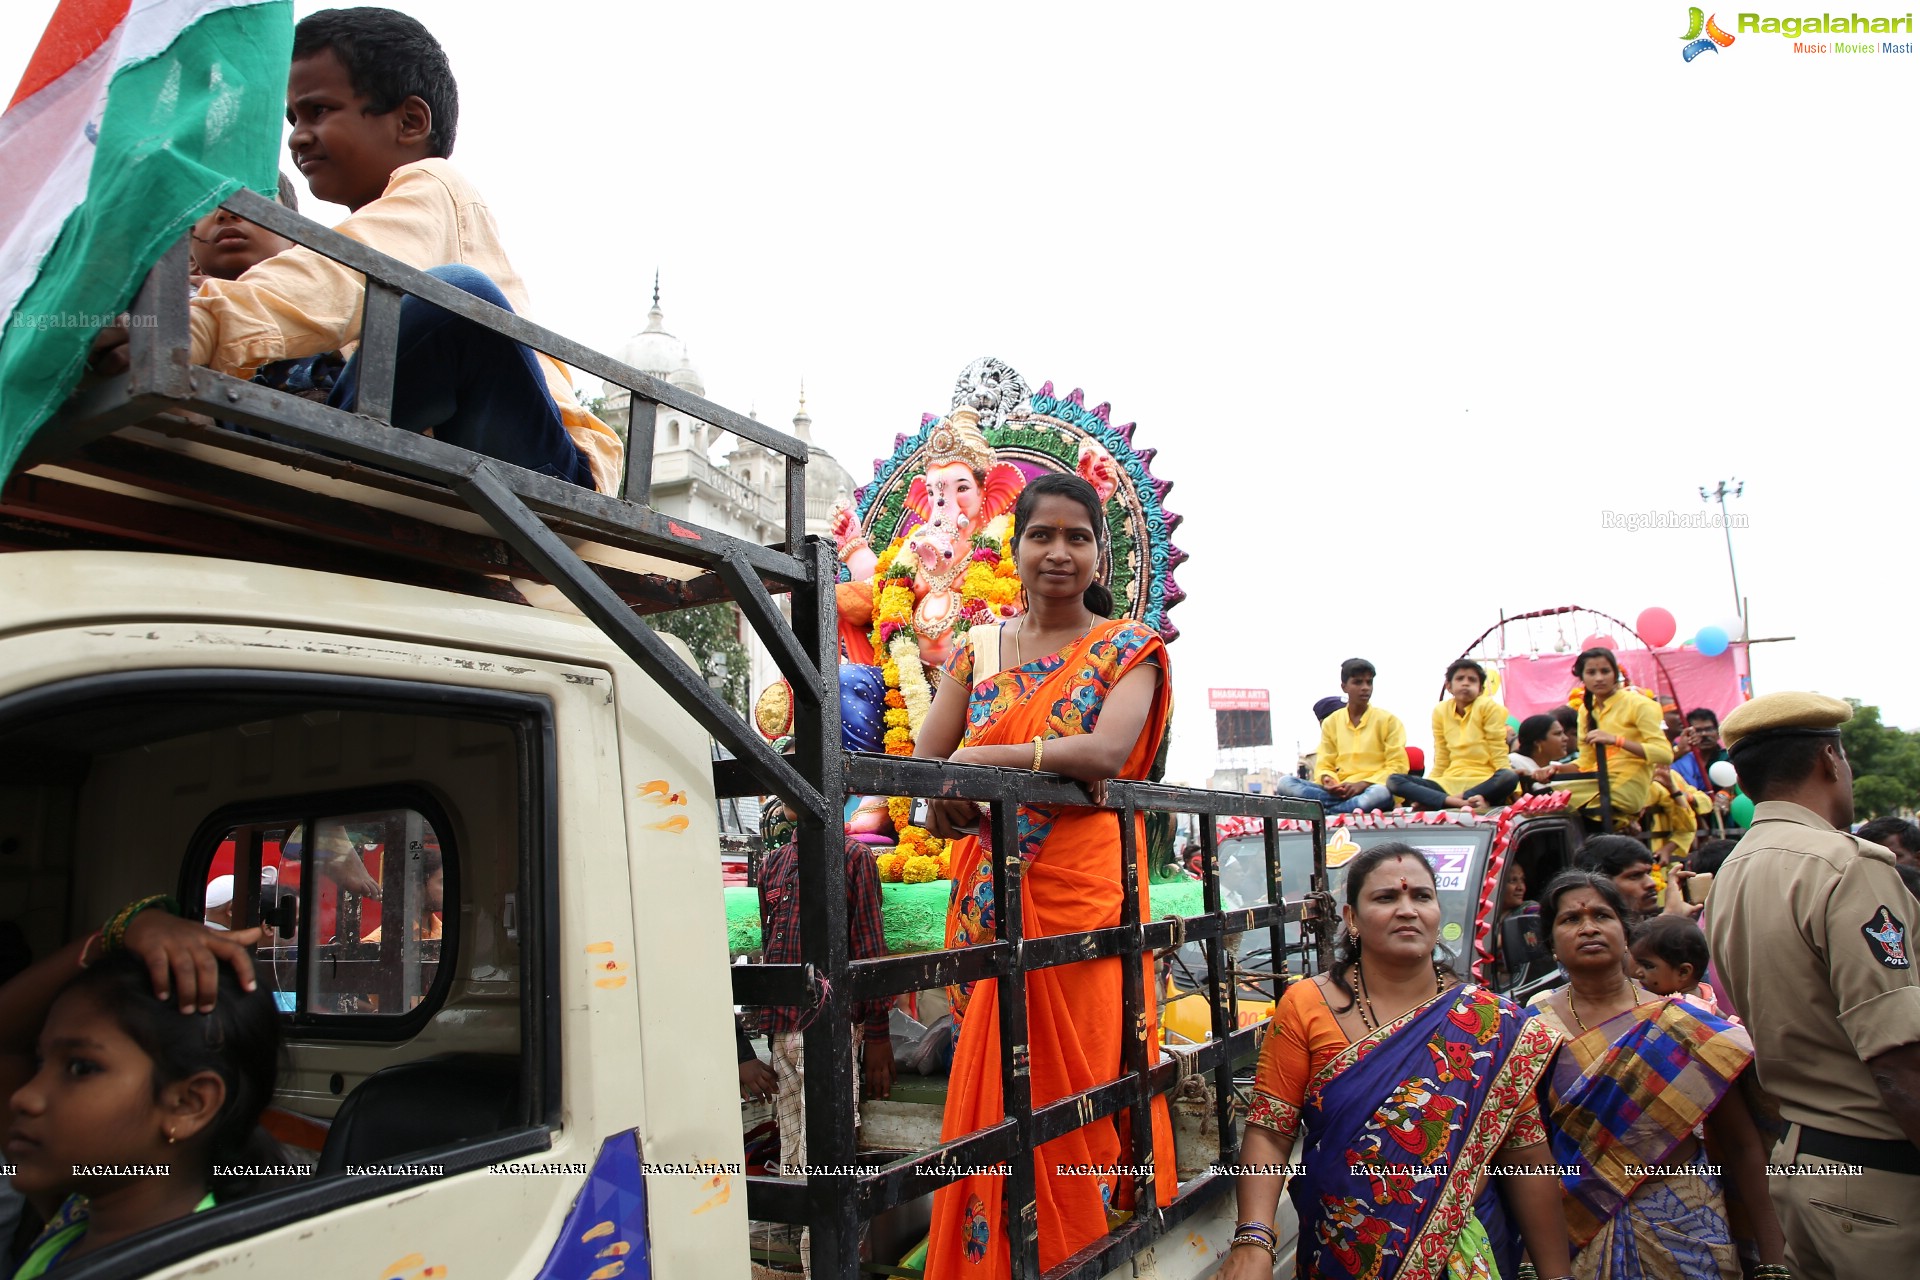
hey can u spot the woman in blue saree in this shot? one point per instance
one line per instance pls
(1411, 1095)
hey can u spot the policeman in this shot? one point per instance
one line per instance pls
(1808, 927)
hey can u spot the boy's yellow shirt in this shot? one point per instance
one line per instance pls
(1468, 749)
(1371, 751)
(300, 303)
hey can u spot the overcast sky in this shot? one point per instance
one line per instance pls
(1405, 296)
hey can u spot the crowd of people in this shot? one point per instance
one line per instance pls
(1726, 1083)
(1730, 1080)
(1610, 747)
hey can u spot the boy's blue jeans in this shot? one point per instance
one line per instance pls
(471, 386)
(1374, 797)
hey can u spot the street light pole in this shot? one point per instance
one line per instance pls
(1722, 490)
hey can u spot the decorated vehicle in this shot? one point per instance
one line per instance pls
(926, 554)
(1470, 854)
(398, 674)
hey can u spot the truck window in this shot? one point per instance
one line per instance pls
(332, 897)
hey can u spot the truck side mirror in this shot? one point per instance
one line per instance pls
(1523, 941)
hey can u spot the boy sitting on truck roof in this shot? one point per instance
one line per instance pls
(373, 106)
(1361, 747)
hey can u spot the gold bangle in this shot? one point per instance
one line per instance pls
(1039, 747)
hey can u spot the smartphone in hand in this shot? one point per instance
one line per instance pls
(1696, 885)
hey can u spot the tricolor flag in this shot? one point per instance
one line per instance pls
(135, 117)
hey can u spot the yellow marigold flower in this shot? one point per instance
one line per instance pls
(919, 870)
(890, 865)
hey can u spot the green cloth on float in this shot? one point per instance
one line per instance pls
(915, 915)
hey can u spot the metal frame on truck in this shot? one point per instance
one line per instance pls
(125, 465)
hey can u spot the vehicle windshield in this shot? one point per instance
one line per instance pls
(1453, 851)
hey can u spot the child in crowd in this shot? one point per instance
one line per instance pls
(1670, 953)
(373, 106)
(104, 1071)
(1469, 749)
(226, 247)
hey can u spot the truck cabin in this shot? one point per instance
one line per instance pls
(401, 706)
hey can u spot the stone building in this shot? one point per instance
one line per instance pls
(714, 478)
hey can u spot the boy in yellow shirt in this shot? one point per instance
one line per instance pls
(1469, 749)
(1360, 748)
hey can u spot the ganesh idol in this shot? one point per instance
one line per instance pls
(963, 495)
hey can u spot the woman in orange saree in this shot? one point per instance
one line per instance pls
(1067, 690)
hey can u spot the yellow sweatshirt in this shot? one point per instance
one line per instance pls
(1371, 751)
(1468, 748)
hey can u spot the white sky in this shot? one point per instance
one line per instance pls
(1405, 297)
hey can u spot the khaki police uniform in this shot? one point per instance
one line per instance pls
(1810, 934)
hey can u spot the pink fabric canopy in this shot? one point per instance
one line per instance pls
(1531, 685)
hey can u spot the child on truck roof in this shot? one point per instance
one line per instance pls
(373, 106)
(226, 247)
(136, 1061)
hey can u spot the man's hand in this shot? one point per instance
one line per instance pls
(108, 355)
(1676, 903)
(880, 1069)
(757, 1081)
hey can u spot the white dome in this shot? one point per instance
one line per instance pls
(686, 378)
(653, 350)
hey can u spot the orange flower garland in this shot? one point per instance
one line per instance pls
(989, 589)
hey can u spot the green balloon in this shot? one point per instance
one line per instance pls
(1741, 810)
(1513, 722)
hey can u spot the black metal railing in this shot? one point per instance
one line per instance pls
(531, 514)
(832, 1201)
(534, 516)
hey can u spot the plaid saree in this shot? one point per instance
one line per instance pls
(1620, 1100)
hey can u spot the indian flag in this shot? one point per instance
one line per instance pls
(135, 117)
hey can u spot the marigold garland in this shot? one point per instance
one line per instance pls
(989, 590)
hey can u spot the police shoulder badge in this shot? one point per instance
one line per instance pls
(1886, 934)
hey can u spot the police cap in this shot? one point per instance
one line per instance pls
(1782, 715)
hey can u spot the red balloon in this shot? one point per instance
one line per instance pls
(1598, 641)
(1656, 626)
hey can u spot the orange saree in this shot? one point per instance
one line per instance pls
(1070, 883)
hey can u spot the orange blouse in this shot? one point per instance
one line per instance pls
(1302, 1040)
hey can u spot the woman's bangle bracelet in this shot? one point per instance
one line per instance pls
(1256, 1242)
(114, 932)
(1258, 1230)
(1039, 746)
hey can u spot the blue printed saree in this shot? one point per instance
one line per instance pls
(1401, 1127)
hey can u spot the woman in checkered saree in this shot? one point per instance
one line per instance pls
(1641, 1101)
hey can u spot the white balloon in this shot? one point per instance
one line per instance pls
(1723, 773)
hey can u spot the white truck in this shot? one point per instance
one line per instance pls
(405, 696)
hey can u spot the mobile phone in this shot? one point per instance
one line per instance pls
(918, 815)
(1696, 885)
